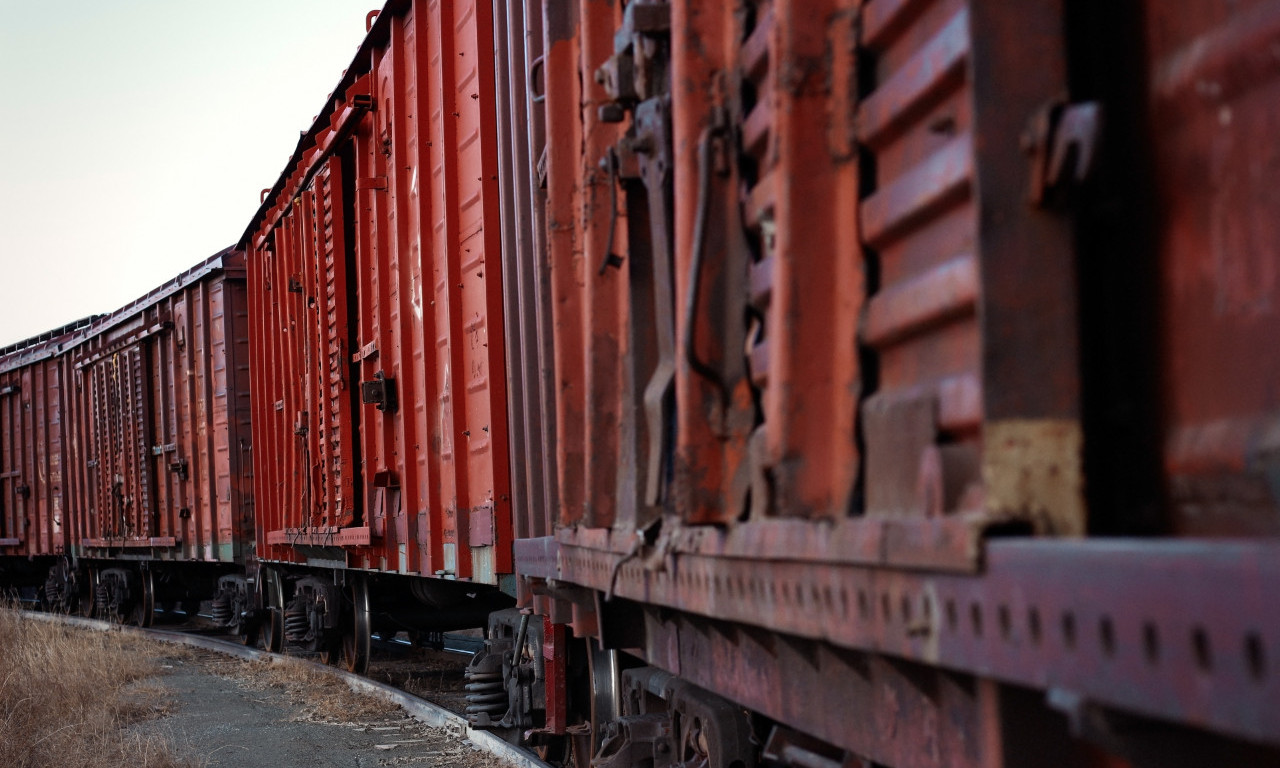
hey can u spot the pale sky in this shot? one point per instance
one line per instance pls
(135, 136)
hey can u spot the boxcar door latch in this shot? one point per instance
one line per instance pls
(380, 392)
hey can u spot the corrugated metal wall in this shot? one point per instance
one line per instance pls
(34, 445)
(162, 458)
(377, 303)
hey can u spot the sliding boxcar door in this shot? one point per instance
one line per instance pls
(124, 490)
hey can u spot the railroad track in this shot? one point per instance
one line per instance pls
(422, 710)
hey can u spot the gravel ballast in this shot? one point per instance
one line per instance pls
(228, 712)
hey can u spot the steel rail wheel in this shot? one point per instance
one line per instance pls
(358, 639)
(144, 613)
(87, 606)
(606, 700)
(271, 597)
(246, 627)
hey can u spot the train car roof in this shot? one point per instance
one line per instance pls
(360, 65)
(72, 335)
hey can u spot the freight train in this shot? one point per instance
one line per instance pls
(810, 383)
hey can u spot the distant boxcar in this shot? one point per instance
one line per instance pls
(35, 383)
(158, 410)
(376, 302)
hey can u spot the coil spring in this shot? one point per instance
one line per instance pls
(485, 693)
(221, 610)
(102, 596)
(53, 590)
(296, 625)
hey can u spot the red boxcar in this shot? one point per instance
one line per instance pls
(868, 320)
(158, 410)
(34, 456)
(376, 305)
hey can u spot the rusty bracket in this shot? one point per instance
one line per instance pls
(636, 740)
(381, 393)
(637, 69)
(180, 467)
(1061, 141)
(611, 259)
(656, 158)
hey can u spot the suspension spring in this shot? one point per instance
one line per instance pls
(221, 610)
(54, 593)
(296, 624)
(485, 693)
(103, 597)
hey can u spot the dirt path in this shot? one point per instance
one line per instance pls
(217, 711)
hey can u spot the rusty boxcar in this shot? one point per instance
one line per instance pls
(832, 383)
(378, 386)
(34, 450)
(905, 358)
(157, 409)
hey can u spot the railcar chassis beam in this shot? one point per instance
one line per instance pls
(1177, 631)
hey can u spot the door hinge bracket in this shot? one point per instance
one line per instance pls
(1061, 141)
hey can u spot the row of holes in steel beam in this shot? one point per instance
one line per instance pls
(1068, 627)
(1253, 651)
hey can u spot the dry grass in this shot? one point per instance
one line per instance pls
(436, 676)
(67, 697)
(315, 695)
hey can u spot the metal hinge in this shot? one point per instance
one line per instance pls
(1062, 142)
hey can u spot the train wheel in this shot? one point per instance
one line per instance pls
(606, 701)
(87, 606)
(331, 653)
(144, 613)
(60, 588)
(271, 597)
(357, 639)
(246, 630)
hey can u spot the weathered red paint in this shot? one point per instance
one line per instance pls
(35, 494)
(886, 346)
(1213, 85)
(158, 421)
(374, 266)
(531, 397)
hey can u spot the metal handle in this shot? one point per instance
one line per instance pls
(695, 267)
(534, 67)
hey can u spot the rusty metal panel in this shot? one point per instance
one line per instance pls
(795, 82)
(910, 171)
(974, 400)
(377, 296)
(1167, 629)
(1212, 87)
(160, 445)
(124, 494)
(326, 334)
(35, 490)
(707, 364)
(919, 227)
(561, 73)
(527, 307)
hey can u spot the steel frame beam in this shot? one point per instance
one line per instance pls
(1182, 631)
